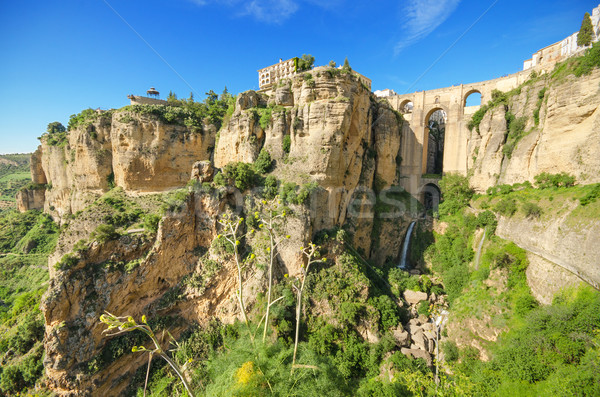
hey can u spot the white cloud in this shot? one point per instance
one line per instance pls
(269, 11)
(422, 17)
(273, 11)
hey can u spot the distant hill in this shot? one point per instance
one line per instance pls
(14, 174)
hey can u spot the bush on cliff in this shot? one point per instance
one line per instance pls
(456, 194)
(263, 163)
(546, 180)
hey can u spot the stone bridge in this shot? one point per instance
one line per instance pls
(415, 133)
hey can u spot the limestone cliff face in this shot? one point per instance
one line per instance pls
(570, 242)
(567, 138)
(150, 156)
(103, 280)
(134, 151)
(340, 136)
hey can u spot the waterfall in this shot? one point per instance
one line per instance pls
(403, 262)
(479, 250)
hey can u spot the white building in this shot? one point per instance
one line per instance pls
(384, 93)
(565, 48)
(272, 74)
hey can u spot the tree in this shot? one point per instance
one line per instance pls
(586, 32)
(211, 97)
(304, 63)
(332, 64)
(346, 65)
(54, 127)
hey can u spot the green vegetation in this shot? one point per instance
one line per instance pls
(456, 194)
(14, 175)
(263, 163)
(26, 240)
(554, 350)
(55, 127)
(287, 143)
(240, 175)
(546, 180)
(538, 105)
(212, 110)
(87, 117)
(586, 31)
(498, 98)
(304, 63)
(516, 131)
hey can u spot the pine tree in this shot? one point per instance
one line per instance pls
(346, 65)
(584, 38)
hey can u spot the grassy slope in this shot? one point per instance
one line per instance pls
(26, 240)
(14, 174)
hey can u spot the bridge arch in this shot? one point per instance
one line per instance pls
(430, 195)
(433, 140)
(406, 106)
(471, 92)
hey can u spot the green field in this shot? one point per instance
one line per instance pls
(14, 174)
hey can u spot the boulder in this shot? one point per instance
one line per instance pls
(401, 336)
(203, 171)
(416, 353)
(414, 297)
(419, 340)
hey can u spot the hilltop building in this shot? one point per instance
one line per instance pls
(272, 74)
(152, 98)
(269, 76)
(384, 93)
(550, 55)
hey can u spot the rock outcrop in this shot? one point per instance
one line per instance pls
(565, 240)
(339, 136)
(566, 138)
(122, 148)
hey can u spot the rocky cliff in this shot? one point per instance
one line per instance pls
(124, 148)
(339, 136)
(555, 128)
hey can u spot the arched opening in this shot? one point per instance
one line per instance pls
(436, 129)
(406, 106)
(431, 197)
(473, 98)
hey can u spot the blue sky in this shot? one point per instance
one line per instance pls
(62, 56)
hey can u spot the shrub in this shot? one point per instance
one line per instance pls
(456, 193)
(270, 187)
(288, 192)
(506, 206)
(104, 233)
(263, 163)
(450, 351)
(11, 380)
(78, 119)
(591, 196)
(241, 175)
(423, 308)
(305, 192)
(66, 262)
(151, 222)
(487, 219)
(304, 63)
(219, 179)
(531, 210)
(546, 180)
(287, 142)
(266, 116)
(516, 131)
(55, 127)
